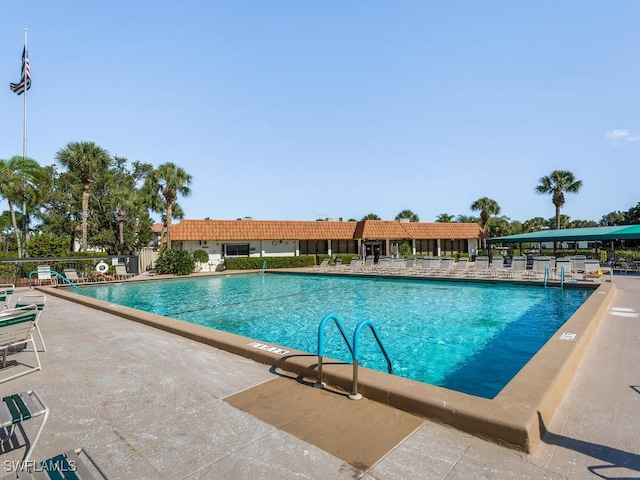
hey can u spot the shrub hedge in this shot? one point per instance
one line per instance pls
(255, 263)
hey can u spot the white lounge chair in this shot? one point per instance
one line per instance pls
(45, 275)
(6, 290)
(433, 265)
(497, 267)
(121, 272)
(578, 264)
(72, 276)
(38, 300)
(323, 264)
(445, 266)
(480, 267)
(355, 264)
(563, 267)
(16, 328)
(16, 409)
(461, 267)
(518, 267)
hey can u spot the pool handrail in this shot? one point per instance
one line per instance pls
(354, 349)
(53, 272)
(320, 383)
(354, 395)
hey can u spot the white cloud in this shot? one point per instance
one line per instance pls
(618, 135)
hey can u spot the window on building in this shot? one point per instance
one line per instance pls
(311, 247)
(426, 247)
(236, 249)
(344, 246)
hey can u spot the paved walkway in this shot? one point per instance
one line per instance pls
(151, 405)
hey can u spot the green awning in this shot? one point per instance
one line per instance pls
(621, 232)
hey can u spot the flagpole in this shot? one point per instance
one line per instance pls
(24, 152)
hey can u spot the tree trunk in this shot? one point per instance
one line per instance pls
(85, 211)
(556, 245)
(15, 227)
(168, 219)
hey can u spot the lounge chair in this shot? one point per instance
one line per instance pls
(431, 265)
(45, 276)
(355, 264)
(16, 409)
(39, 300)
(480, 267)
(16, 327)
(460, 267)
(337, 263)
(397, 266)
(72, 276)
(563, 267)
(518, 267)
(444, 267)
(6, 290)
(323, 264)
(121, 272)
(383, 265)
(497, 267)
(578, 264)
(627, 267)
(540, 266)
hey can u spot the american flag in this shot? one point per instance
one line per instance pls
(25, 80)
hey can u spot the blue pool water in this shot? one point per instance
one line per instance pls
(469, 337)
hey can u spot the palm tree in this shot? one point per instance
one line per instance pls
(176, 213)
(486, 207)
(444, 218)
(124, 200)
(170, 180)
(371, 216)
(534, 224)
(85, 160)
(8, 191)
(556, 184)
(19, 177)
(466, 219)
(408, 214)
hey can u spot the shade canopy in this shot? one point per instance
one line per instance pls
(621, 232)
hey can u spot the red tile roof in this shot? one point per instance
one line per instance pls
(308, 230)
(261, 230)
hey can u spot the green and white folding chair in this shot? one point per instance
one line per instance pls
(16, 329)
(6, 290)
(18, 408)
(38, 300)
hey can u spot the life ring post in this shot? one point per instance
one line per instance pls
(102, 267)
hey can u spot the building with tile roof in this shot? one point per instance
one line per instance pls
(265, 238)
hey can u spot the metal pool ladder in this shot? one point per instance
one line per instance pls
(354, 349)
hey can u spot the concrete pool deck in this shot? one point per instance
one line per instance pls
(149, 404)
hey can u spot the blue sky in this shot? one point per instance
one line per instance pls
(304, 110)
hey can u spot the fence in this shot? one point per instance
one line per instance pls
(147, 259)
(17, 270)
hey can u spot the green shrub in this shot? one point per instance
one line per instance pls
(255, 263)
(176, 262)
(406, 250)
(46, 245)
(201, 256)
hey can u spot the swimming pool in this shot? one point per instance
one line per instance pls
(470, 337)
